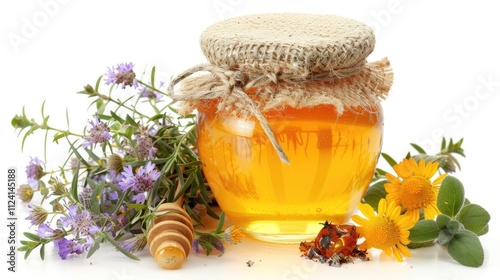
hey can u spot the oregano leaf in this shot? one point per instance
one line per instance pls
(466, 248)
(444, 237)
(473, 217)
(442, 221)
(483, 231)
(374, 193)
(416, 245)
(453, 226)
(424, 231)
(451, 196)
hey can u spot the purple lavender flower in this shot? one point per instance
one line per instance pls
(108, 196)
(98, 133)
(115, 177)
(122, 74)
(80, 221)
(141, 182)
(34, 171)
(45, 231)
(133, 244)
(144, 147)
(219, 246)
(64, 246)
(147, 92)
(116, 221)
(196, 245)
(111, 195)
(73, 246)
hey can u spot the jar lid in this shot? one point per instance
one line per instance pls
(291, 43)
(269, 61)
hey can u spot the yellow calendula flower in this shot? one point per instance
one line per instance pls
(388, 230)
(413, 189)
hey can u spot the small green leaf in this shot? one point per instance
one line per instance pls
(444, 237)
(32, 245)
(153, 72)
(137, 206)
(67, 118)
(116, 117)
(483, 231)
(451, 196)
(467, 202)
(129, 130)
(23, 248)
(131, 121)
(95, 246)
(95, 200)
(466, 249)
(29, 132)
(415, 245)
(118, 247)
(114, 209)
(453, 226)
(442, 221)
(97, 83)
(20, 122)
(136, 217)
(157, 117)
(76, 153)
(28, 252)
(418, 148)
(58, 136)
(374, 193)
(185, 185)
(33, 237)
(221, 222)
(473, 217)
(443, 144)
(424, 231)
(389, 159)
(92, 155)
(42, 252)
(195, 218)
(74, 183)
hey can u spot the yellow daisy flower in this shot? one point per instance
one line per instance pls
(387, 231)
(414, 191)
(233, 235)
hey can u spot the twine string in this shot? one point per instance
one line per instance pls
(229, 86)
(234, 84)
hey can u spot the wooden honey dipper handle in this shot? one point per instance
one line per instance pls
(171, 236)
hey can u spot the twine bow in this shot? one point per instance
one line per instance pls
(230, 87)
(233, 84)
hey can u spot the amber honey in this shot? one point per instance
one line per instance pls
(332, 157)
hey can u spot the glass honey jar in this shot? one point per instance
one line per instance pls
(289, 119)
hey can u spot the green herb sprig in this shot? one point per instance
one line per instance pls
(457, 227)
(136, 153)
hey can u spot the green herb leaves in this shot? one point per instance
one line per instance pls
(451, 196)
(457, 227)
(466, 248)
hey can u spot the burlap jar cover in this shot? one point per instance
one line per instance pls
(296, 60)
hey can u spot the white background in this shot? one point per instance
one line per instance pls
(445, 57)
